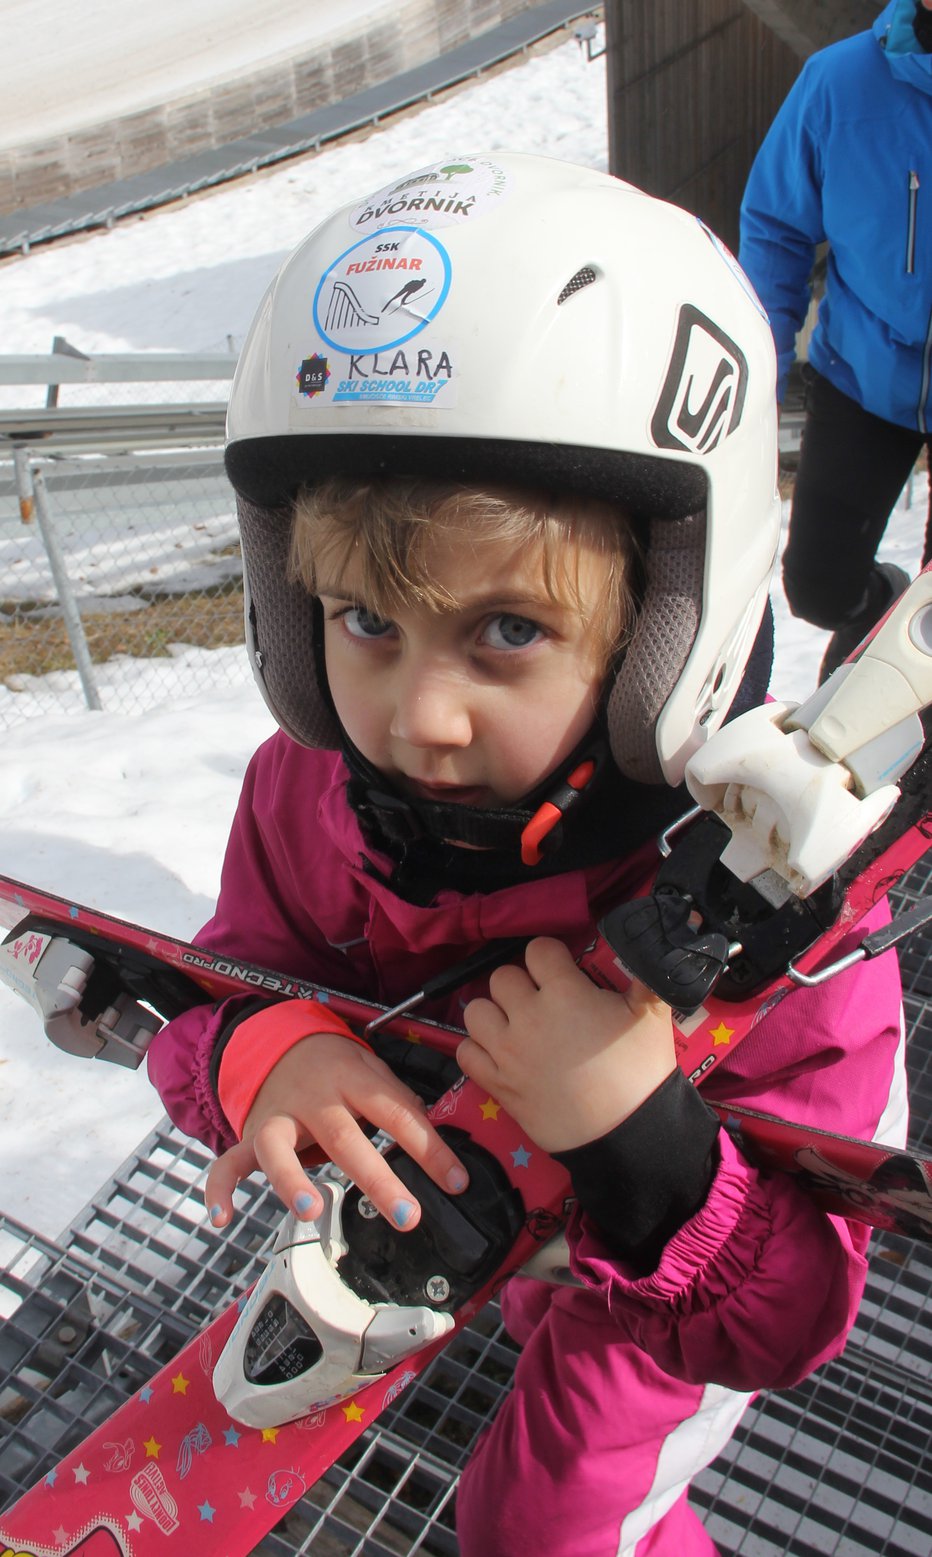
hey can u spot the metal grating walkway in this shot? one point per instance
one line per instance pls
(840, 1467)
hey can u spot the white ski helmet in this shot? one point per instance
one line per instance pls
(514, 319)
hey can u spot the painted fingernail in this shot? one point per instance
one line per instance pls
(303, 1202)
(457, 1179)
(216, 1213)
(402, 1212)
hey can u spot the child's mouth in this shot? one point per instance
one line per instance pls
(449, 794)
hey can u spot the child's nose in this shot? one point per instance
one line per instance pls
(431, 709)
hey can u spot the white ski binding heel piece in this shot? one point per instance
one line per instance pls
(346, 1297)
(304, 1338)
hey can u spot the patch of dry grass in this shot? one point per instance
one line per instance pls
(33, 645)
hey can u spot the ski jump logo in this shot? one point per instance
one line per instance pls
(703, 396)
(382, 291)
(346, 309)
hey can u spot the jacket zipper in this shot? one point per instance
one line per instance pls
(911, 222)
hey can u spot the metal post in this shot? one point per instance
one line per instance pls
(51, 394)
(63, 348)
(30, 484)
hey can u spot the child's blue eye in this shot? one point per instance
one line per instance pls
(361, 623)
(510, 632)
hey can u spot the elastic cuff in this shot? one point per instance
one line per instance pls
(643, 1180)
(258, 1043)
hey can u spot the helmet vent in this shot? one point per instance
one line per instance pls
(582, 278)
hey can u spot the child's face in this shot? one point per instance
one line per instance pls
(478, 704)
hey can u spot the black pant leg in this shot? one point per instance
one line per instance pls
(852, 468)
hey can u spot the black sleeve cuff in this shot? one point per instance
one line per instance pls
(244, 1008)
(649, 1175)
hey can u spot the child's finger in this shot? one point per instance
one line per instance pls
(509, 983)
(546, 957)
(222, 1178)
(410, 1128)
(347, 1146)
(275, 1147)
(394, 1111)
(475, 1062)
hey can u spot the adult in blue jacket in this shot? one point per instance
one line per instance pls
(848, 160)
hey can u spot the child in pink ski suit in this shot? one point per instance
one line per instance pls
(508, 520)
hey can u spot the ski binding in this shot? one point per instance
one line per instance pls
(346, 1297)
(800, 787)
(304, 1338)
(54, 975)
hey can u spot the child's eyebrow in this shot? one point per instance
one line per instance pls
(494, 601)
(507, 602)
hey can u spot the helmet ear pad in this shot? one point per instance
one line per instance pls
(282, 630)
(668, 621)
(283, 636)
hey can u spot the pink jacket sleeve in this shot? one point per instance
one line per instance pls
(259, 918)
(760, 1286)
(179, 1068)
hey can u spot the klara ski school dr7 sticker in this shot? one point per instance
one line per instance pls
(377, 309)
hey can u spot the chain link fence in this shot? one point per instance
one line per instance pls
(150, 553)
(120, 568)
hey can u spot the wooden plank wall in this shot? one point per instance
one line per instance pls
(693, 87)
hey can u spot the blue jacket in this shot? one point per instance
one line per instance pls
(848, 159)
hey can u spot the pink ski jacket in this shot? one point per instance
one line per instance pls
(760, 1285)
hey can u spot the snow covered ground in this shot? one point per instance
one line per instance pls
(130, 813)
(111, 555)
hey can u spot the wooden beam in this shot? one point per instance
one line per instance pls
(807, 25)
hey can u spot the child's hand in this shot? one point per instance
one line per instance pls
(569, 1061)
(316, 1094)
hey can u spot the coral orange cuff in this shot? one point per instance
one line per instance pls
(258, 1044)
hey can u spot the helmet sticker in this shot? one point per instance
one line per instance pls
(312, 376)
(422, 375)
(442, 195)
(382, 291)
(703, 395)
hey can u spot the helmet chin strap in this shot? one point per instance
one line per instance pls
(531, 827)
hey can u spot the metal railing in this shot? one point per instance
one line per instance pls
(118, 541)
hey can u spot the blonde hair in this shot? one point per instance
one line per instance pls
(385, 528)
